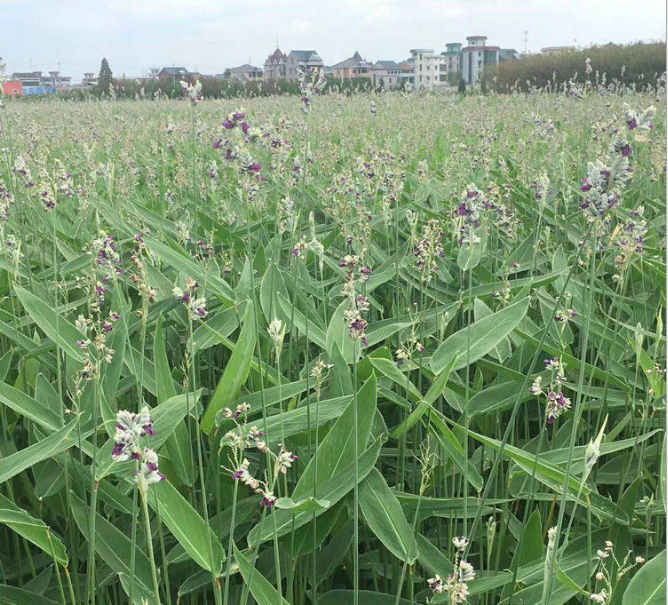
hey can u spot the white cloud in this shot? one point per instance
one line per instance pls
(302, 25)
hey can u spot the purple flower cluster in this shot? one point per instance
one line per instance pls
(130, 428)
(234, 119)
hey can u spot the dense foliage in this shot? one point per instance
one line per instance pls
(632, 66)
(376, 349)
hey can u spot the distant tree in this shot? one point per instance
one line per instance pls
(462, 86)
(105, 78)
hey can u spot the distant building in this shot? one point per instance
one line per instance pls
(353, 68)
(153, 73)
(451, 66)
(54, 79)
(35, 83)
(89, 79)
(557, 50)
(509, 54)
(12, 88)
(427, 69)
(276, 66)
(475, 56)
(27, 78)
(279, 66)
(386, 74)
(302, 59)
(175, 73)
(244, 73)
(406, 75)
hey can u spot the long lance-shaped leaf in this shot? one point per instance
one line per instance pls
(385, 517)
(192, 532)
(332, 490)
(648, 586)
(337, 448)
(178, 444)
(188, 266)
(261, 589)
(13, 595)
(19, 461)
(235, 373)
(113, 546)
(553, 477)
(434, 392)
(32, 529)
(32, 409)
(57, 328)
(480, 337)
(296, 421)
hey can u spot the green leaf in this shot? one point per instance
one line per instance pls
(20, 596)
(390, 370)
(454, 449)
(432, 559)
(19, 461)
(112, 545)
(483, 336)
(434, 392)
(336, 450)
(186, 265)
(337, 332)
(235, 373)
(332, 489)
(221, 323)
(263, 592)
(470, 256)
(178, 444)
(192, 532)
(296, 421)
(384, 516)
(57, 328)
(309, 504)
(503, 350)
(662, 476)
(32, 529)
(339, 380)
(530, 547)
(648, 586)
(315, 333)
(141, 595)
(366, 597)
(554, 478)
(31, 408)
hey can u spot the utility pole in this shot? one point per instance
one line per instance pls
(526, 41)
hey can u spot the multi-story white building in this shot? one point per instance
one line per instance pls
(475, 56)
(432, 71)
(426, 68)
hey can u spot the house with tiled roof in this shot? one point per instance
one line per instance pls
(302, 59)
(352, 68)
(244, 73)
(172, 72)
(386, 74)
(276, 65)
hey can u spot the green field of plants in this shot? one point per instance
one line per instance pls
(372, 349)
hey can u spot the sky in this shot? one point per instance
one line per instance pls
(210, 35)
